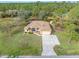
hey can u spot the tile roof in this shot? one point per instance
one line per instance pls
(42, 25)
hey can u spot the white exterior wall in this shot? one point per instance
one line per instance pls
(45, 32)
(25, 29)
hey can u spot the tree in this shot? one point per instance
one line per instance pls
(24, 14)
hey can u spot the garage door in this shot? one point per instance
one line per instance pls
(45, 32)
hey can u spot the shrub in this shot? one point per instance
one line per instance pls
(30, 32)
(59, 50)
(77, 30)
(75, 36)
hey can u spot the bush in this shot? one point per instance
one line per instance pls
(77, 30)
(30, 32)
(14, 53)
(59, 50)
(75, 36)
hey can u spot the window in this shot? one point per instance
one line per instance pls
(33, 29)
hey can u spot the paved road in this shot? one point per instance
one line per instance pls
(48, 42)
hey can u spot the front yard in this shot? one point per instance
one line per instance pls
(69, 39)
(14, 42)
(20, 44)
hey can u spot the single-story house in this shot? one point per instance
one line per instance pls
(38, 27)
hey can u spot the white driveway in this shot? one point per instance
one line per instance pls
(48, 42)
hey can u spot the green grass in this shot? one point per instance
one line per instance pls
(69, 40)
(66, 47)
(28, 44)
(14, 42)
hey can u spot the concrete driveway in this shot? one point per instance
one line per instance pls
(48, 42)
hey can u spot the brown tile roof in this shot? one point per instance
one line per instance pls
(42, 25)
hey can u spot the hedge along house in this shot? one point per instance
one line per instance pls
(38, 27)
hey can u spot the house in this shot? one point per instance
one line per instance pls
(38, 27)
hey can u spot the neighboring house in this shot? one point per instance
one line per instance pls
(38, 27)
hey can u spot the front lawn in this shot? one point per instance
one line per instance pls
(19, 44)
(14, 42)
(69, 40)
